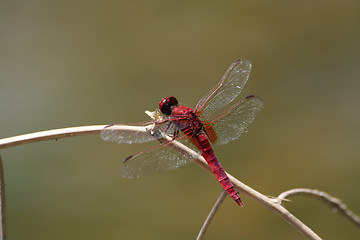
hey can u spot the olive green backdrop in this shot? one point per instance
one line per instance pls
(73, 63)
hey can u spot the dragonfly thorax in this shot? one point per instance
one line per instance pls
(186, 120)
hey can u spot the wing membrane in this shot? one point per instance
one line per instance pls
(157, 159)
(126, 134)
(226, 90)
(137, 132)
(234, 122)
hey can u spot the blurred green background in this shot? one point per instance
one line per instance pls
(73, 63)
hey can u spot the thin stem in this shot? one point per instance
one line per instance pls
(334, 203)
(49, 135)
(2, 202)
(211, 215)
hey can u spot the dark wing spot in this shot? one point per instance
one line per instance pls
(127, 159)
(250, 96)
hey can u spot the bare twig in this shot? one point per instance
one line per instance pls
(211, 215)
(336, 204)
(50, 134)
(2, 202)
(198, 159)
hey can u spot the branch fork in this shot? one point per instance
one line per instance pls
(271, 203)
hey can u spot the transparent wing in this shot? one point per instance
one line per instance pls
(226, 90)
(152, 160)
(232, 123)
(138, 132)
(127, 134)
(157, 159)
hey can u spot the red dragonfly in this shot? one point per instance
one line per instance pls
(220, 124)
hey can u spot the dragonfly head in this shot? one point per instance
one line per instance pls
(166, 105)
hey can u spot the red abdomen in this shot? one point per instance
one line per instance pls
(207, 152)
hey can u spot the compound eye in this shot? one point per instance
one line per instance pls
(166, 104)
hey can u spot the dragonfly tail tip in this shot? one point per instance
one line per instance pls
(241, 203)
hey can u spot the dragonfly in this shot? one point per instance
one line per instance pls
(218, 118)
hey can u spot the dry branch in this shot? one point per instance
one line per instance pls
(274, 206)
(211, 215)
(336, 204)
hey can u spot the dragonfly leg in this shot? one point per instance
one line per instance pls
(169, 126)
(176, 134)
